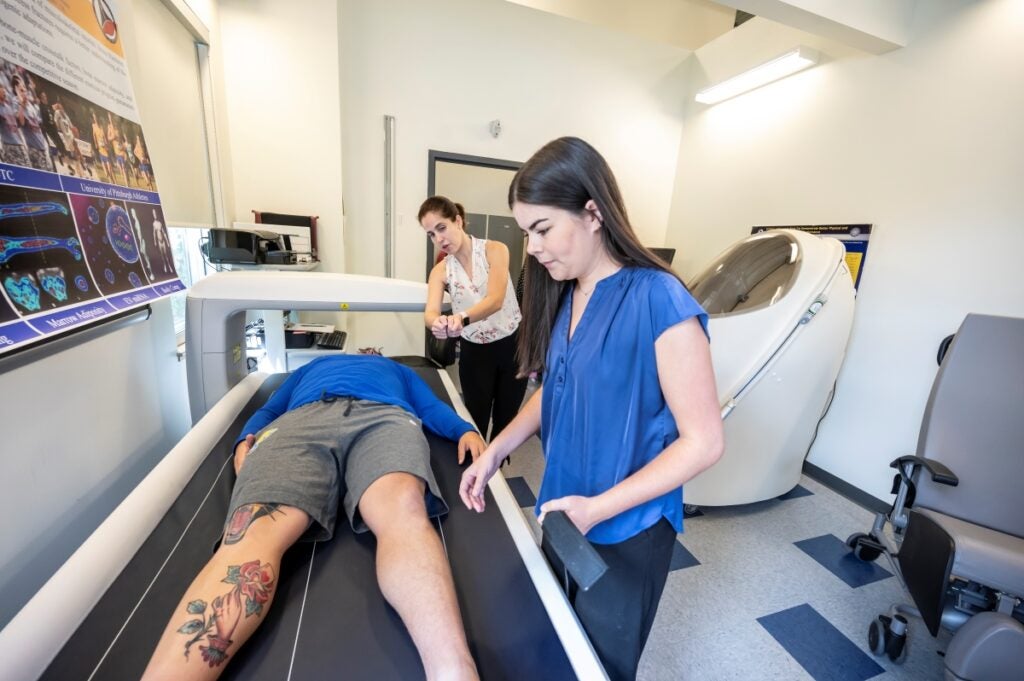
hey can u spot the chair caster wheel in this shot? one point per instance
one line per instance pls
(861, 549)
(690, 510)
(888, 636)
(876, 635)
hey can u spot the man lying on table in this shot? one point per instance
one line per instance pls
(353, 413)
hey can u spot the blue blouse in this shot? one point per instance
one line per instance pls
(603, 415)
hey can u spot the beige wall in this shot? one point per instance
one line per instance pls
(284, 119)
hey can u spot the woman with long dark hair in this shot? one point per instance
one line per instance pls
(485, 314)
(627, 411)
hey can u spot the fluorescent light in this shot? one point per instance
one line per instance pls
(787, 64)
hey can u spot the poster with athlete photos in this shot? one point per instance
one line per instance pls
(82, 231)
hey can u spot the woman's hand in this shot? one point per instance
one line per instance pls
(440, 327)
(242, 451)
(473, 443)
(455, 326)
(582, 511)
(474, 479)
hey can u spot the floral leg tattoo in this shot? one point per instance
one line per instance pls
(244, 517)
(252, 584)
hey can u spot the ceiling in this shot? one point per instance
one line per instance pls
(873, 26)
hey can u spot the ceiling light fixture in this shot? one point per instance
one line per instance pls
(784, 65)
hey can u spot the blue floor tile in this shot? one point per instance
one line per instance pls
(796, 493)
(681, 558)
(821, 649)
(835, 556)
(522, 492)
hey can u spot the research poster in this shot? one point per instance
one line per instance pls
(82, 233)
(853, 237)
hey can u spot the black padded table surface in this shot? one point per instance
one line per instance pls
(329, 619)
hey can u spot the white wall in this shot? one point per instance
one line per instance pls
(925, 143)
(281, 85)
(444, 69)
(205, 10)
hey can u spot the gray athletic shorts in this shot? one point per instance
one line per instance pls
(313, 456)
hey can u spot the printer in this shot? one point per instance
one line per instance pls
(256, 247)
(298, 239)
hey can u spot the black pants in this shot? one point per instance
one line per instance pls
(618, 611)
(489, 384)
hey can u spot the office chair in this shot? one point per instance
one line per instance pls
(955, 533)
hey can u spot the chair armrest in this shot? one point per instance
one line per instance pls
(939, 472)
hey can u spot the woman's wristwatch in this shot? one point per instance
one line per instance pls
(465, 320)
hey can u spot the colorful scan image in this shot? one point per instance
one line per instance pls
(154, 244)
(42, 264)
(110, 243)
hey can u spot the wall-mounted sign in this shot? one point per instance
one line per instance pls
(82, 234)
(854, 239)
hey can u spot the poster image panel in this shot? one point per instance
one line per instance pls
(22, 141)
(110, 244)
(96, 18)
(154, 242)
(42, 264)
(47, 127)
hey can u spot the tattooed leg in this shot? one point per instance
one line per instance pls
(227, 600)
(253, 585)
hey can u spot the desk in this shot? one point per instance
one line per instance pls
(279, 358)
(295, 358)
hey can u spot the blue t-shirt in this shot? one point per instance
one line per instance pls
(365, 377)
(603, 415)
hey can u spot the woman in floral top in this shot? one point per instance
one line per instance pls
(485, 314)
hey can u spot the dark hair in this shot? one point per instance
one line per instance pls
(567, 173)
(444, 207)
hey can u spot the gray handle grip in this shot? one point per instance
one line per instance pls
(580, 559)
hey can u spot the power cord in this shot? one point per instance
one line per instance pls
(831, 397)
(204, 251)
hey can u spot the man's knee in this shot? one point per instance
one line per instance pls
(394, 500)
(275, 524)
